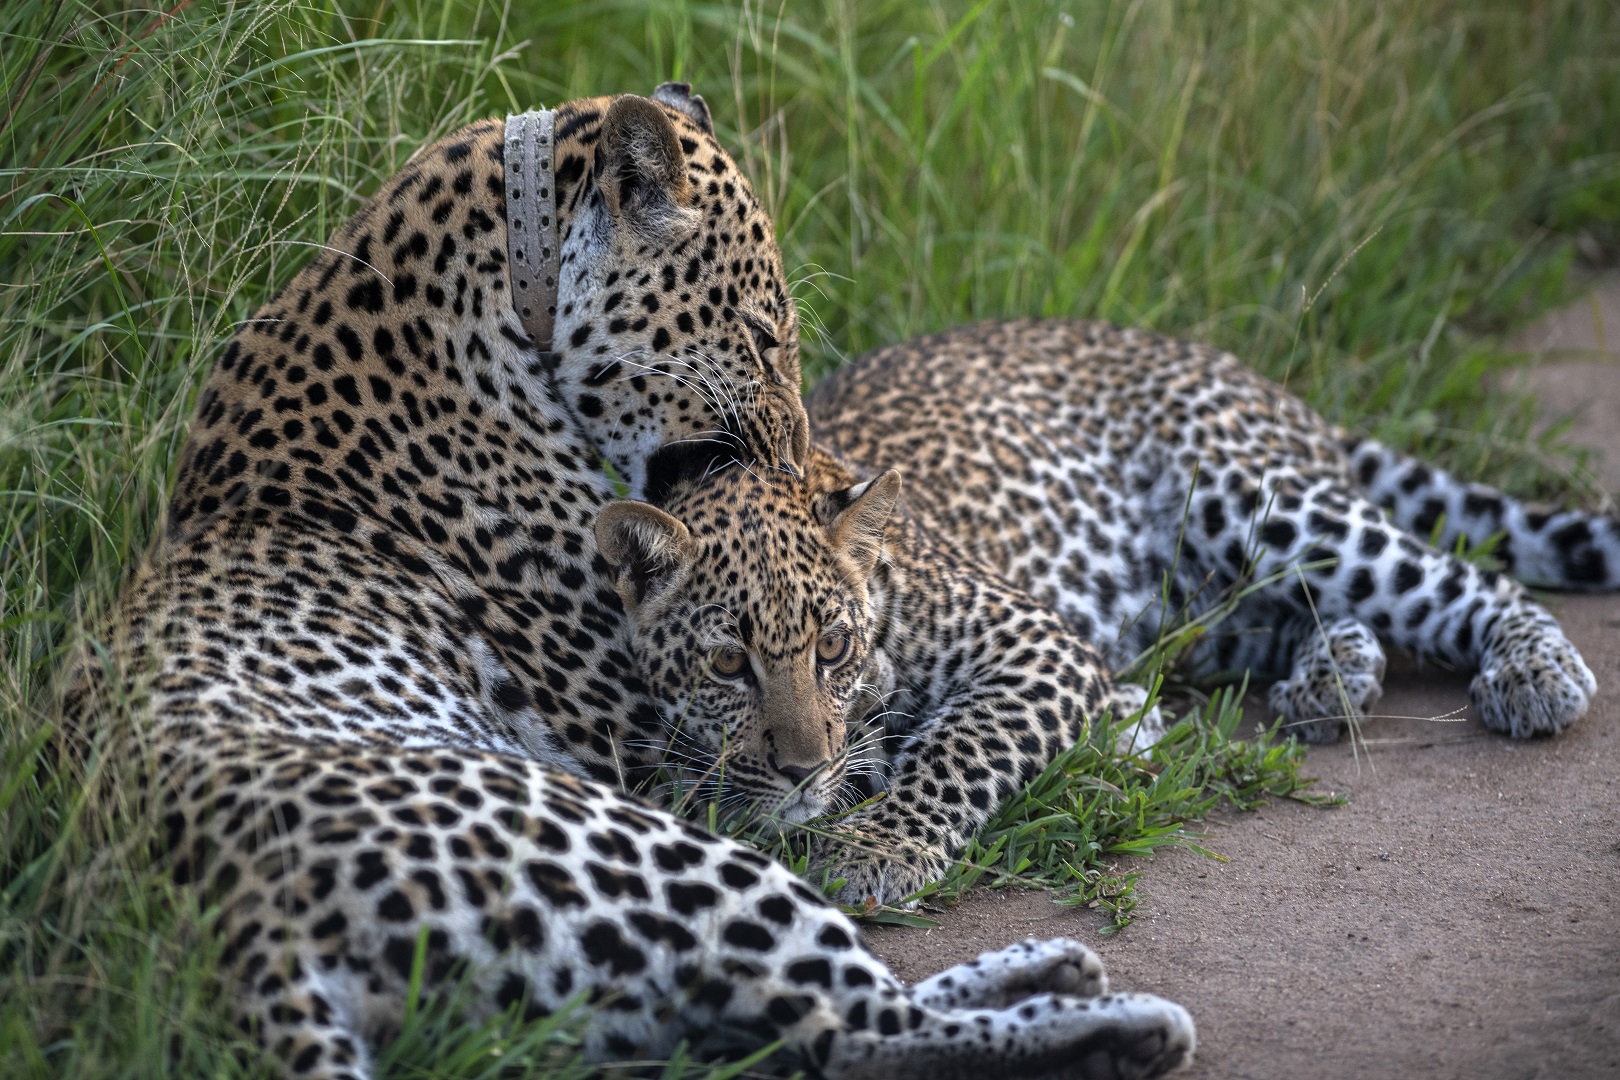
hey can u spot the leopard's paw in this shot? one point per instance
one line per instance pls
(1338, 676)
(877, 869)
(1046, 1035)
(1145, 1036)
(1531, 681)
(997, 980)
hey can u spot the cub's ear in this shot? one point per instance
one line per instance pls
(678, 95)
(650, 551)
(641, 170)
(859, 517)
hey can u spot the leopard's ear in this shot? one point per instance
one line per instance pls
(649, 551)
(678, 95)
(859, 517)
(641, 170)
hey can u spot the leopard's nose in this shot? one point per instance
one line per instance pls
(798, 774)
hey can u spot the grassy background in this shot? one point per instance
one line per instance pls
(1351, 195)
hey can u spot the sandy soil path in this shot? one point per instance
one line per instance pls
(1459, 918)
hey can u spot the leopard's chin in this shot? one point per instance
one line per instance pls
(789, 808)
(802, 806)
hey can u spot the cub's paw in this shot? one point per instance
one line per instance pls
(876, 867)
(1531, 681)
(1146, 730)
(997, 980)
(1338, 676)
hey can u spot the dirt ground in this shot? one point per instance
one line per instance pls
(1460, 917)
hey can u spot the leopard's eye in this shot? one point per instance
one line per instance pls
(728, 663)
(832, 648)
(764, 340)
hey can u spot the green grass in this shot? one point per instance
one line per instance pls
(1352, 196)
(1072, 828)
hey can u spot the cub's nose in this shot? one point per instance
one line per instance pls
(798, 774)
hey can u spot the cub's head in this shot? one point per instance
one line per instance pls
(753, 620)
(675, 333)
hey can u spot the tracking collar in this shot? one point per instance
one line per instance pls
(531, 223)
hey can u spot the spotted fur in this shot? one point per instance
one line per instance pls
(377, 625)
(1091, 465)
(533, 888)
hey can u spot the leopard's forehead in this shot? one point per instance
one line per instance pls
(764, 558)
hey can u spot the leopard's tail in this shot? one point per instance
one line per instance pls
(1540, 545)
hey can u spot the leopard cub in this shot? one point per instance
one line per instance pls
(808, 645)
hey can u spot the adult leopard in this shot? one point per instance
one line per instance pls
(1091, 465)
(377, 625)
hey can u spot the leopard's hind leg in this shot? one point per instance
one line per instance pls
(1327, 673)
(1528, 679)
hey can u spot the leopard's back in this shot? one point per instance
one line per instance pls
(375, 533)
(1134, 482)
(1060, 453)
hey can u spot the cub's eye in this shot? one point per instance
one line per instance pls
(728, 663)
(831, 648)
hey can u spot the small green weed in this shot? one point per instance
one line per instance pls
(1071, 828)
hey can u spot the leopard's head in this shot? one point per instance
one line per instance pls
(752, 605)
(675, 332)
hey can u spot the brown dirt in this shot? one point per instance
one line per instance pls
(1460, 917)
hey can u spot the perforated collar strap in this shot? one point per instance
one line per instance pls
(531, 222)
